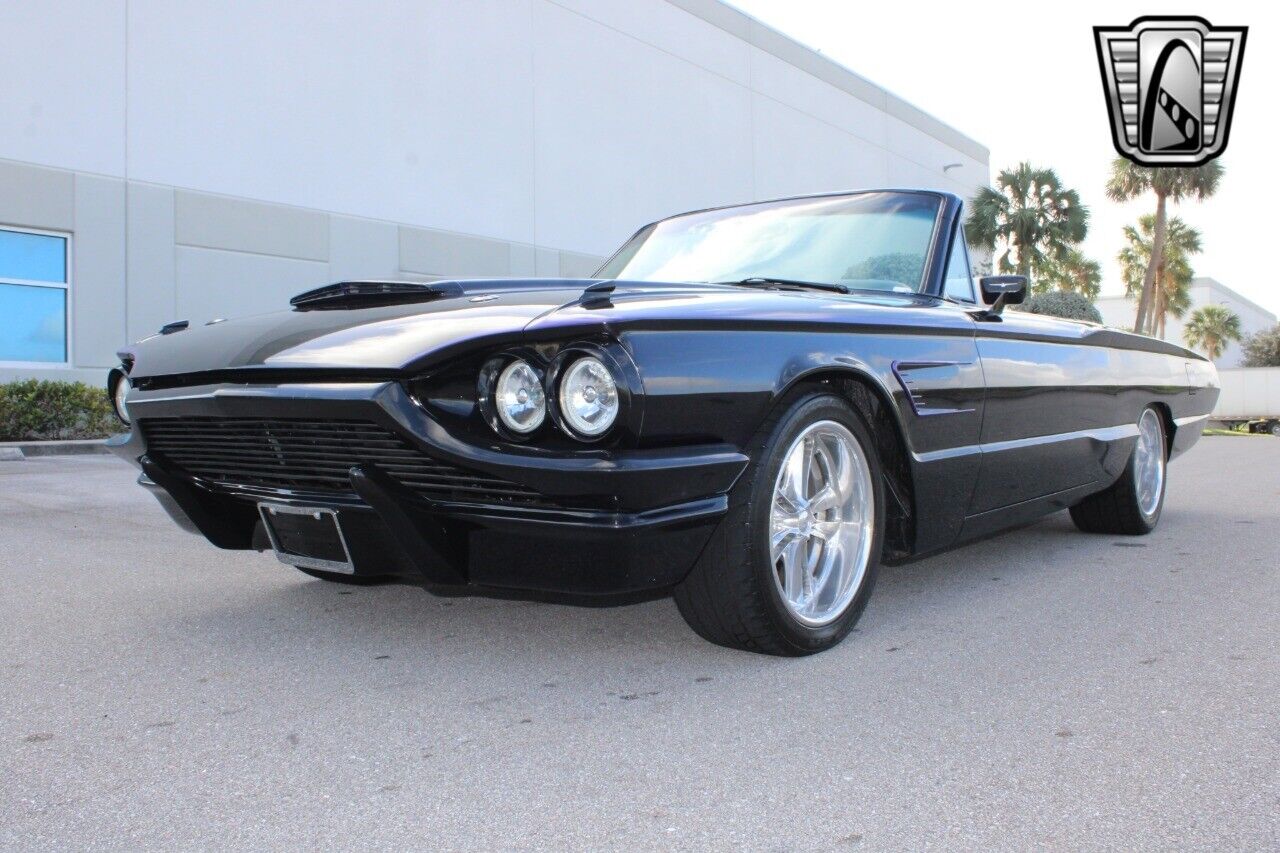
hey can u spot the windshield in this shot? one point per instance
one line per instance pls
(869, 241)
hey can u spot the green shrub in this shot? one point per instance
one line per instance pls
(1262, 349)
(36, 410)
(1062, 303)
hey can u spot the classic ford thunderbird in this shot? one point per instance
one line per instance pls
(751, 408)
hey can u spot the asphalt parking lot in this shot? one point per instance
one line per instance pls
(1045, 689)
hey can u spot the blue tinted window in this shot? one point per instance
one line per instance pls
(33, 257)
(33, 323)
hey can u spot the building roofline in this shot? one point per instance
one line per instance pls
(741, 25)
(1213, 284)
(1209, 283)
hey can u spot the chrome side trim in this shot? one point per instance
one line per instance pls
(312, 390)
(1115, 433)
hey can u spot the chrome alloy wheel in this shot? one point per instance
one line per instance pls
(1148, 463)
(822, 523)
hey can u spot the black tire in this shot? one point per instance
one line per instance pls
(1275, 429)
(1116, 510)
(730, 597)
(340, 578)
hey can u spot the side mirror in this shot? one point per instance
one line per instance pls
(1001, 290)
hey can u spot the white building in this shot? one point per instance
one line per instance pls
(1119, 311)
(163, 161)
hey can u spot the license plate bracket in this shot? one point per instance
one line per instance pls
(307, 536)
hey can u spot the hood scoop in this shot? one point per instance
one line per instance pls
(367, 294)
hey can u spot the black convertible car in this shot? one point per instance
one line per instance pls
(750, 407)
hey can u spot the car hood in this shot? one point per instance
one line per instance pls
(393, 338)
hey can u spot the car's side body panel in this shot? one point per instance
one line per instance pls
(991, 422)
(1062, 405)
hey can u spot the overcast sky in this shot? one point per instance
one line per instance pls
(1022, 78)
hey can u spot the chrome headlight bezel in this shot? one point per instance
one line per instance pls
(606, 397)
(519, 379)
(491, 376)
(550, 363)
(626, 421)
(118, 388)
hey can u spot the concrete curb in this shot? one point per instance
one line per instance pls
(16, 451)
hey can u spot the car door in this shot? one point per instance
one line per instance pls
(1047, 400)
(938, 368)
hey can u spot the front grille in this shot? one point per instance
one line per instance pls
(315, 457)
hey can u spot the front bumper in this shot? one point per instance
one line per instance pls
(661, 505)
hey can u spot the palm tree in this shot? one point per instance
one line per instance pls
(1176, 303)
(1173, 273)
(1073, 273)
(1032, 214)
(1210, 329)
(1129, 181)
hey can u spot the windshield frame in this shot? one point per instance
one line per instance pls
(949, 206)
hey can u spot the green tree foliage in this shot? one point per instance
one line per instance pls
(1030, 215)
(33, 410)
(1262, 349)
(1071, 273)
(1062, 303)
(903, 267)
(1129, 181)
(1173, 273)
(1210, 329)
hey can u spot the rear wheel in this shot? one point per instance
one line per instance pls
(789, 570)
(1132, 505)
(1275, 429)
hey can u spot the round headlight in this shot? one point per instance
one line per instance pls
(118, 395)
(519, 398)
(589, 397)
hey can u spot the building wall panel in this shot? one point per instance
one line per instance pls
(215, 158)
(215, 283)
(440, 253)
(62, 84)
(218, 222)
(35, 197)
(98, 304)
(363, 249)
(151, 296)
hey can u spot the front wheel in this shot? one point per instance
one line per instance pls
(790, 568)
(1132, 505)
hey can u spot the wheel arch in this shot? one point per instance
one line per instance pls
(1166, 418)
(875, 405)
